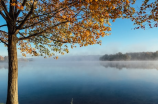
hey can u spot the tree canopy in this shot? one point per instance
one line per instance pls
(50, 24)
(42, 27)
(147, 15)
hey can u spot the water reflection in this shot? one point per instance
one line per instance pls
(130, 64)
(3, 65)
(84, 81)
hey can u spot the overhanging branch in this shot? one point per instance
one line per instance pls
(55, 11)
(44, 31)
(45, 19)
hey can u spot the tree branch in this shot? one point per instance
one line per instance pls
(44, 31)
(28, 37)
(21, 34)
(17, 14)
(56, 11)
(4, 17)
(3, 36)
(32, 24)
(15, 9)
(3, 32)
(44, 20)
(3, 42)
(5, 9)
(25, 19)
(11, 9)
(3, 4)
(53, 39)
(3, 25)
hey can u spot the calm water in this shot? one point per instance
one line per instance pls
(86, 82)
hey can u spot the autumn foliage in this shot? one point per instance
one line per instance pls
(51, 24)
(45, 27)
(147, 15)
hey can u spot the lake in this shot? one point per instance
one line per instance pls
(87, 82)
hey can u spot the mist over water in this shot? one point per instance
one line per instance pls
(130, 64)
(86, 80)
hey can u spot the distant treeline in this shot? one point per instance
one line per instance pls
(5, 59)
(130, 56)
(2, 59)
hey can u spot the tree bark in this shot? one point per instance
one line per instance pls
(12, 93)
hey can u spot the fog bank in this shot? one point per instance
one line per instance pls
(130, 64)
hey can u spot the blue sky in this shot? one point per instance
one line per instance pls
(123, 39)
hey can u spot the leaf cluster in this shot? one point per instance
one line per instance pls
(52, 24)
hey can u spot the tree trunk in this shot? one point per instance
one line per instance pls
(12, 93)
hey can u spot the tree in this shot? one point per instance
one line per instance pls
(50, 25)
(147, 16)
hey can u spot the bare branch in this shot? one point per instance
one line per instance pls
(4, 16)
(21, 34)
(25, 19)
(3, 25)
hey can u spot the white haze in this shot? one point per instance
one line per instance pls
(69, 58)
(89, 59)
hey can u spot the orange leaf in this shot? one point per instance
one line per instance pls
(56, 57)
(13, 4)
(21, 7)
(127, 1)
